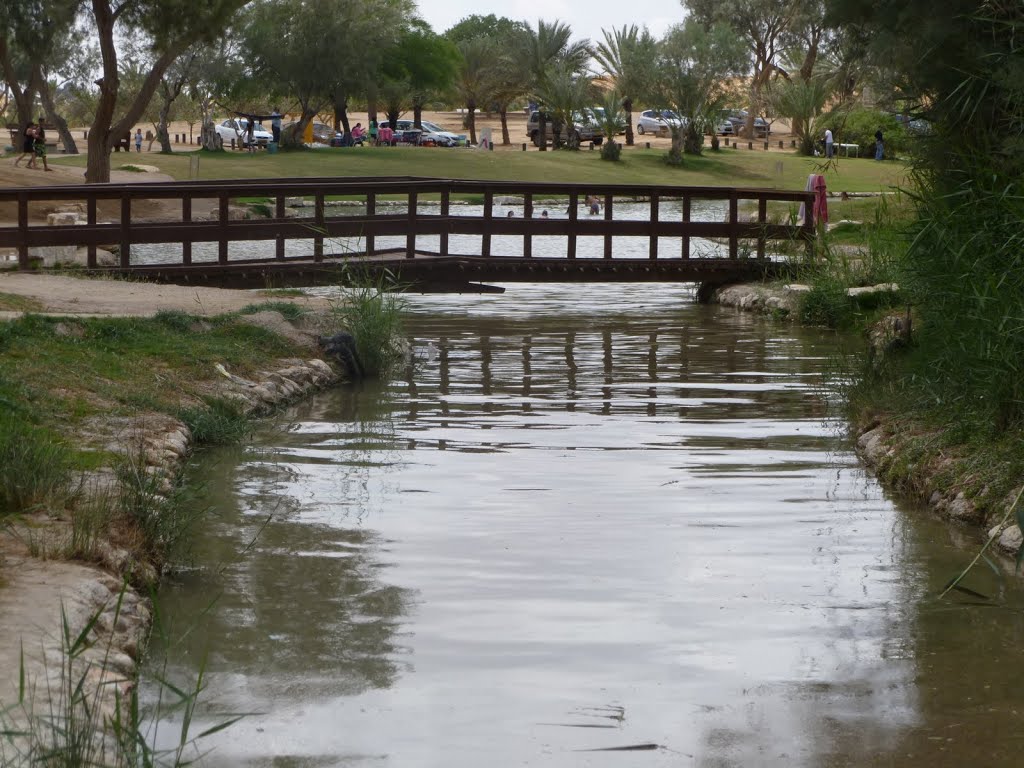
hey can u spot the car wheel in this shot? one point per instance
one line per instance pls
(640, 128)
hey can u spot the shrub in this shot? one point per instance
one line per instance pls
(371, 311)
(860, 126)
(35, 469)
(611, 150)
(220, 422)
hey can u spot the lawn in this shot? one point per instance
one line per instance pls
(729, 167)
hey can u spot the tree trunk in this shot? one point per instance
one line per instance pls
(627, 107)
(103, 134)
(293, 138)
(471, 115)
(675, 153)
(70, 148)
(162, 134)
(393, 113)
(503, 114)
(417, 116)
(22, 98)
(542, 132)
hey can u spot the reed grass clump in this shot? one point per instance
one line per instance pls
(371, 310)
(220, 421)
(35, 467)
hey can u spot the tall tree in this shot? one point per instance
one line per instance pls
(628, 57)
(565, 94)
(475, 77)
(694, 63)
(170, 26)
(544, 48)
(762, 24)
(425, 61)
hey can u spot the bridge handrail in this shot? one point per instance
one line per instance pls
(411, 223)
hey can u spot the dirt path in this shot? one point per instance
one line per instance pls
(76, 296)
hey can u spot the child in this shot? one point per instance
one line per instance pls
(138, 139)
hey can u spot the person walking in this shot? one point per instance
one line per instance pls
(138, 139)
(39, 146)
(28, 146)
(828, 143)
(879, 146)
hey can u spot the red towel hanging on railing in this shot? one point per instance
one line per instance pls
(820, 199)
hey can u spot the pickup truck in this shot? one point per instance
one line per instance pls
(584, 129)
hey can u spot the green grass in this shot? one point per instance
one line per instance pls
(12, 302)
(730, 167)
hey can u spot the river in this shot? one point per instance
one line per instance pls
(585, 519)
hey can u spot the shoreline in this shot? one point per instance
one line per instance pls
(884, 444)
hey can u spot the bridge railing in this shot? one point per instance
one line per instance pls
(122, 225)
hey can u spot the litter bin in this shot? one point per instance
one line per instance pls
(272, 147)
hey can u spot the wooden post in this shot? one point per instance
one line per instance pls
(321, 225)
(574, 209)
(686, 220)
(90, 213)
(608, 198)
(371, 212)
(485, 239)
(410, 237)
(446, 197)
(782, 144)
(762, 220)
(766, 144)
(734, 245)
(750, 145)
(186, 217)
(126, 238)
(653, 242)
(279, 214)
(528, 214)
(524, 146)
(727, 141)
(23, 229)
(222, 245)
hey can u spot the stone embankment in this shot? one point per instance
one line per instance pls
(887, 452)
(38, 588)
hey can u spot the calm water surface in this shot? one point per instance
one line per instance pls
(586, 519)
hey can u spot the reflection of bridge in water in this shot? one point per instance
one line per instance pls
(315, 250)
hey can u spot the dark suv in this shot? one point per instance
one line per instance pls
(738, 118)
(584, 129)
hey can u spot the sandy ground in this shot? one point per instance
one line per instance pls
(60, 294)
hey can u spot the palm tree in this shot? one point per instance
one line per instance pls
(475, 77)
(628, 56)
(541, 50)
(565, 94)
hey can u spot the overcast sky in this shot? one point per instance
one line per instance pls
(586, 18)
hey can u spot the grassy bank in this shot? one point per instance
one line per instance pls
(730, 167)
(75, 393)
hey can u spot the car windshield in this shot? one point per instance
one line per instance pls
(668, 114)
(434, 127)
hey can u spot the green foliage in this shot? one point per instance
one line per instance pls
(287, 309)
(35, 468)
(371, 310)
(221, 422)
(611, 150)
(803, 102)
(860, 125)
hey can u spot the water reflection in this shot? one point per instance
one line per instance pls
(556, 512)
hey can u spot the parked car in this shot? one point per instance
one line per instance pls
(431, 133)
(237, 128)
(658, 121)
(583, 128)
(595, 117)
(738, 118)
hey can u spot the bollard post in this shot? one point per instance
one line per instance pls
(648, 144)
(750, 145)
(524, 146)
(766, 143)
(781, 144)
(727, 141)
(792, 143)
(591, 146)
(232, 143)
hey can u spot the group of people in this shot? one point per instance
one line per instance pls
(34, 146)
(830, 145)
(593, 203)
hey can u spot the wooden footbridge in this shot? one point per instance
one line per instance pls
(414, 228)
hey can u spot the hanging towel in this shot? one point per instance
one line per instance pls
(803, 206)
(820, 200)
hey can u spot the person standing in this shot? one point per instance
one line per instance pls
(138, 139)
(40, 147)
(879, 147)
(28, 146)
(275, 125)
(828, 143)
(373, 133)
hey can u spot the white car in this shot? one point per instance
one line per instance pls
(237, 128)
(431, 131)
(658, 121)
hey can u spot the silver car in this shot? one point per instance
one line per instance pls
(659, 121)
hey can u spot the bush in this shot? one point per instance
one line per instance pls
(611, 150)
(35, 469)
(221, 422)
(371, 311)
(860, 126)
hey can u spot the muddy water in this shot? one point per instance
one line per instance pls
(586, 519)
